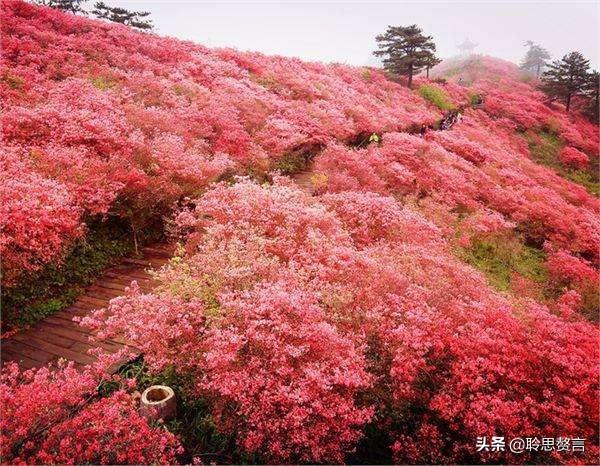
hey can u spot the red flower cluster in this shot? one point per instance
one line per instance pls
(574, 157)
(444, 184)
(52, 416)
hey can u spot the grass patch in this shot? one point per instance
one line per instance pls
(436, 96)
(475, 99)
(13, 81)
(57, 286)
(291, 163)
(298, 159)
(500, 258)
(544, 147)
(589, 179)
(103, 82)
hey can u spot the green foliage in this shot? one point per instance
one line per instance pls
(499, 258)
(475, 99)
(72, 6)
(12, 80)
(193, 422)
(545, 145)
(103, 82)
(366, 74)
(589, 179)
(535, 59)
(592, 91)
(57, 286)
(405, 50)
(292, 162)
(436, 96)
(137, 19)
(565, 78)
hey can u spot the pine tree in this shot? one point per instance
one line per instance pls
(431, 61)
(565, 78)
(535, 59)
(121, 15)
(592, 92)
(405, 49)
(72, 6)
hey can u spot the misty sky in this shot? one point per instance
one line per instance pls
(345, 31)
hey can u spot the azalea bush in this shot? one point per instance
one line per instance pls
(109, 121)
(55, 415)
(299, 311)
(574, 157)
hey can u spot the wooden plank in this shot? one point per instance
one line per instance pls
(93, 301)
(77, 333)
(81, 335)
(58, 336)
(26, 351)
(39, 344)
(103, 295)
(106, 285)
(129, 275)
(50, 337)
(23, 361)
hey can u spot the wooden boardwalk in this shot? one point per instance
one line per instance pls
(58, 336)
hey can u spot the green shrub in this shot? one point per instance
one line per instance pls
(544, 147)
(586, 178)
(12, 80)
(475, 98)
(436, 96)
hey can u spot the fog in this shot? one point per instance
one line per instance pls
(345, 31)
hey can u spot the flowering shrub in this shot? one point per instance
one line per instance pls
(128, 122)
(292, 376)
(574, 157)
(575, 274)
(39, 218)
(250, 335)
(333, 311)
(54, 416)
(466, 387)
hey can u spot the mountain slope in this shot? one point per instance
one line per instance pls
(426, 291)
(98, 118)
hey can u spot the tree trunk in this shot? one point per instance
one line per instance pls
(427, 72)
(568, 102)
(410, 76)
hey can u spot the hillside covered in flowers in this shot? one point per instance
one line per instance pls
(424, 291)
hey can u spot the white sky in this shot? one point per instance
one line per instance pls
(345, 31)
